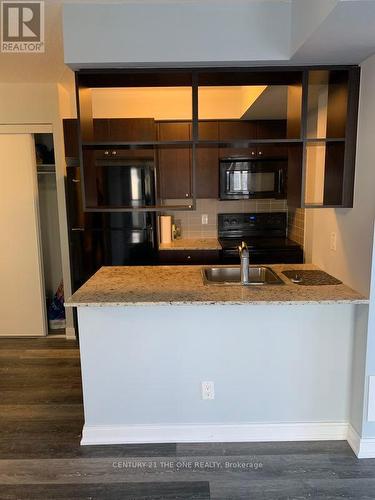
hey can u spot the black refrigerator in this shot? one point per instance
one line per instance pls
(112, 238)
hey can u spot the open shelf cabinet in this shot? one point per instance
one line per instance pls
(316, 135)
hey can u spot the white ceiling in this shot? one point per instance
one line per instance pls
(345, 35)
(321, 32)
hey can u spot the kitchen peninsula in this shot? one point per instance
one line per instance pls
(280, 357)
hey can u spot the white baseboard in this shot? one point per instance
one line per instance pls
(191, 433)
(363, 448)
(70, 332)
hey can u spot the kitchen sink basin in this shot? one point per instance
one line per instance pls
(258, 275)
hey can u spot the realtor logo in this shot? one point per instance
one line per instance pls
(22, 26)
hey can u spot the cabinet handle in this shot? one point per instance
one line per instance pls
(187, 195)
(189, 257)
(76, 181)
(260, 153)
(78, 228)
(114, 152)
(253, 153)
(106, 152)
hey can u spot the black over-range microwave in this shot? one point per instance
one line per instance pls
(244, 178)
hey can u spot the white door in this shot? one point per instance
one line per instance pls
(22, 296)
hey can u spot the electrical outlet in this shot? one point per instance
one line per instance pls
(208, 390)
(204, 219)
(333, 240)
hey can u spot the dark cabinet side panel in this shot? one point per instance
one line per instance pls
(294, 181)
(70, 126)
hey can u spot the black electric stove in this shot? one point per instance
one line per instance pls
(265, 234)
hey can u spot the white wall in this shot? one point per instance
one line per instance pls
(145, 365)
(351, 262)
(176, 32)
(39, 104)
(368, 429)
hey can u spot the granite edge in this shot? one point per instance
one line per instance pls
(221, 303)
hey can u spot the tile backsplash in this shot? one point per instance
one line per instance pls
(296, 225)
(191, 221)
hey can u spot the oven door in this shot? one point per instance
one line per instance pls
(244, 179)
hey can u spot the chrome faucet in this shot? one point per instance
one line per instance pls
(245, 262)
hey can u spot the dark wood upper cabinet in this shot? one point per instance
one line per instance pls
(207, 162)
(132, 129)
(124, 130)
(101, 130)
(271, 129)
(174, 162)
(174, 131)
(242, 130)
(237, 130)
(208, 130)
(234, 130)
(117, 130)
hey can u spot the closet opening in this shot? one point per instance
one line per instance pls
(50, 234)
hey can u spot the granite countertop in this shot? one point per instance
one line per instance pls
(182, 285)
(192, 244)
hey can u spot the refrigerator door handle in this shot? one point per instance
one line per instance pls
(150, 234)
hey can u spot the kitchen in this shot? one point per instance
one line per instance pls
(238, 164)
(214, 216)
(201, 151)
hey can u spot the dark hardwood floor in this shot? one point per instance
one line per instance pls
(41, 419)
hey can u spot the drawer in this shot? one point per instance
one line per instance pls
(186, 257)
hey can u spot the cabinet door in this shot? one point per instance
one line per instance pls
(71, 138)
(278, 151)
(237, 130)
(231, 130)
(174, 163)
(207, 162)
(101, 130)
(271, 129)
(126, 130)
(132, 129)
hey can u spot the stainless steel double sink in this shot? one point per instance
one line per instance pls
(258, 275)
